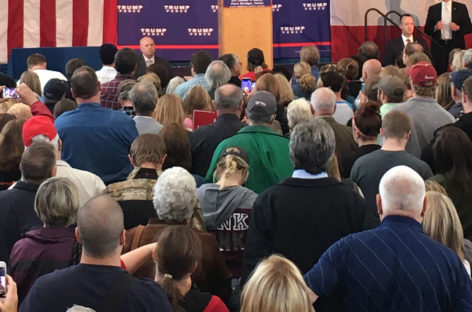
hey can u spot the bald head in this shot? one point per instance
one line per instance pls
(369, 50)
(147, 46)
(323, 101)
(100, 224)
(371, 68)
(228, 97)
(402, 192)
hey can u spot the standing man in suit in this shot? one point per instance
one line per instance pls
(148, 50)
(447, 22)
(394, 50)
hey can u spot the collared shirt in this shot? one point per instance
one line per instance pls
(146, 124)
(149, 61)
(109, 92)
(405, 40)
(106, 73)
(446, 18)
(197, 80)
(303, 174)
(394, 267)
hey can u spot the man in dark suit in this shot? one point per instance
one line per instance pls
(447, 22)
(148, 57)
(394, 50)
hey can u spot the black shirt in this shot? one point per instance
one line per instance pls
(348, 160)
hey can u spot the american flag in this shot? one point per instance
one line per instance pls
(55, 23)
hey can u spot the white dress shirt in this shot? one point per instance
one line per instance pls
(149, 61)
(106, 73)
(405, 40)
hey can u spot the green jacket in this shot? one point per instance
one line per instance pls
(269, 159)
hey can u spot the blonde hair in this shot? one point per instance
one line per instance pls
(391, 70)
(310, 54)
(431, 185)
(298, 110)
(169, 110)
(443, 91)
(442, 223)
(21, 111)
(275, 285)
(228, 165)
(154, 79)
(197, 98)
(457, 60)
(300, 69)
(31, 79)
(285, 90)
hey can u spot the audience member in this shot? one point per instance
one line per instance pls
(177, 143)
(366, 126)
(37, 62)
(234, 65)
(31, 79)
(198, 66)
(464, 121)
(391, 93)
(54, 91)
(63, 106)
(11, 149)
(457, 81)
(217, 74)
(107, 56)
(255, 64)
(197, 99)
(124, 87)
(161, 68)
(298, 111)
(442, 223)
(204, 140)
(226, 205)
(276, 285)
(395, 263)
(411, 48)
(391, 70)
(268, 152)
(323, 102)
(17, 215)
(153, 79)
(20, 111)
(52, 246)
(178, 255)
(98, 277)
(175, 200)
(327, 209)
(311, 55)
(395, 131)
(423, 79)
(443, 94)
(452, 152)
(147, 154)
(95, 139)
(303, 82)
(415, 58)
(368, 50)
(457, 61)
(170, 110)
(173, 83)
(268, 82)
(125, 65)
(72, 65)
(144, 98)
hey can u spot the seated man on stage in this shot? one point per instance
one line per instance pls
(394, 49)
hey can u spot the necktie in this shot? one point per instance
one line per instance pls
(446, 20)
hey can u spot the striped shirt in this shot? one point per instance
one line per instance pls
(394, 267)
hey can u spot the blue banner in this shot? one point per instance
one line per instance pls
(179, 28)
(299, 23)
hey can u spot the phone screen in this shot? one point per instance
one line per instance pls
(10, 93)
(246, 85)
(3, 282)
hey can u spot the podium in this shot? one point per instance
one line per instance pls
(243, 28)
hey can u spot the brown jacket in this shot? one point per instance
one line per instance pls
(212, 274)
(345, 143)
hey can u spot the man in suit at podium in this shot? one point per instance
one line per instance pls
(148, 57)
(447, 22)
(394, 49)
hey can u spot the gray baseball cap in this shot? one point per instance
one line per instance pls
(391, 85)
(262, 103)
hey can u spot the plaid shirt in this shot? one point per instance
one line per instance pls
(109, 93)
(198, 80)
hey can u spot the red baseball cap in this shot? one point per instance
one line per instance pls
(423, 74)
(38, 125)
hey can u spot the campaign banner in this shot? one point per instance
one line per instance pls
(301, 23)
(178, 28)
(246, 3)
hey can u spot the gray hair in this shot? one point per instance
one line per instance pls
(228, 96)
(77, 308)
(45, 138)
(173, 84)
(298, 111)
(144, 97)
(402, 188)
(312, 145)
(57, 202)
(323, 100)
(467, 59)
(100, 223)
(217, 74)
(175, 195)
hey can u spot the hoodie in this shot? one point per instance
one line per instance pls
(218, 205)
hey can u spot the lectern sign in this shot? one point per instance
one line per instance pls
(247, 3)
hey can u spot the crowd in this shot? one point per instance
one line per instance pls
(344, 187)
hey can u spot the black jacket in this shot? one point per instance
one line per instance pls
(460, 16)
(301, 218)
(394, 51)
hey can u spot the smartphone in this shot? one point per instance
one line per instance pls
(246, 85)
(10, 93)
(3, 279)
